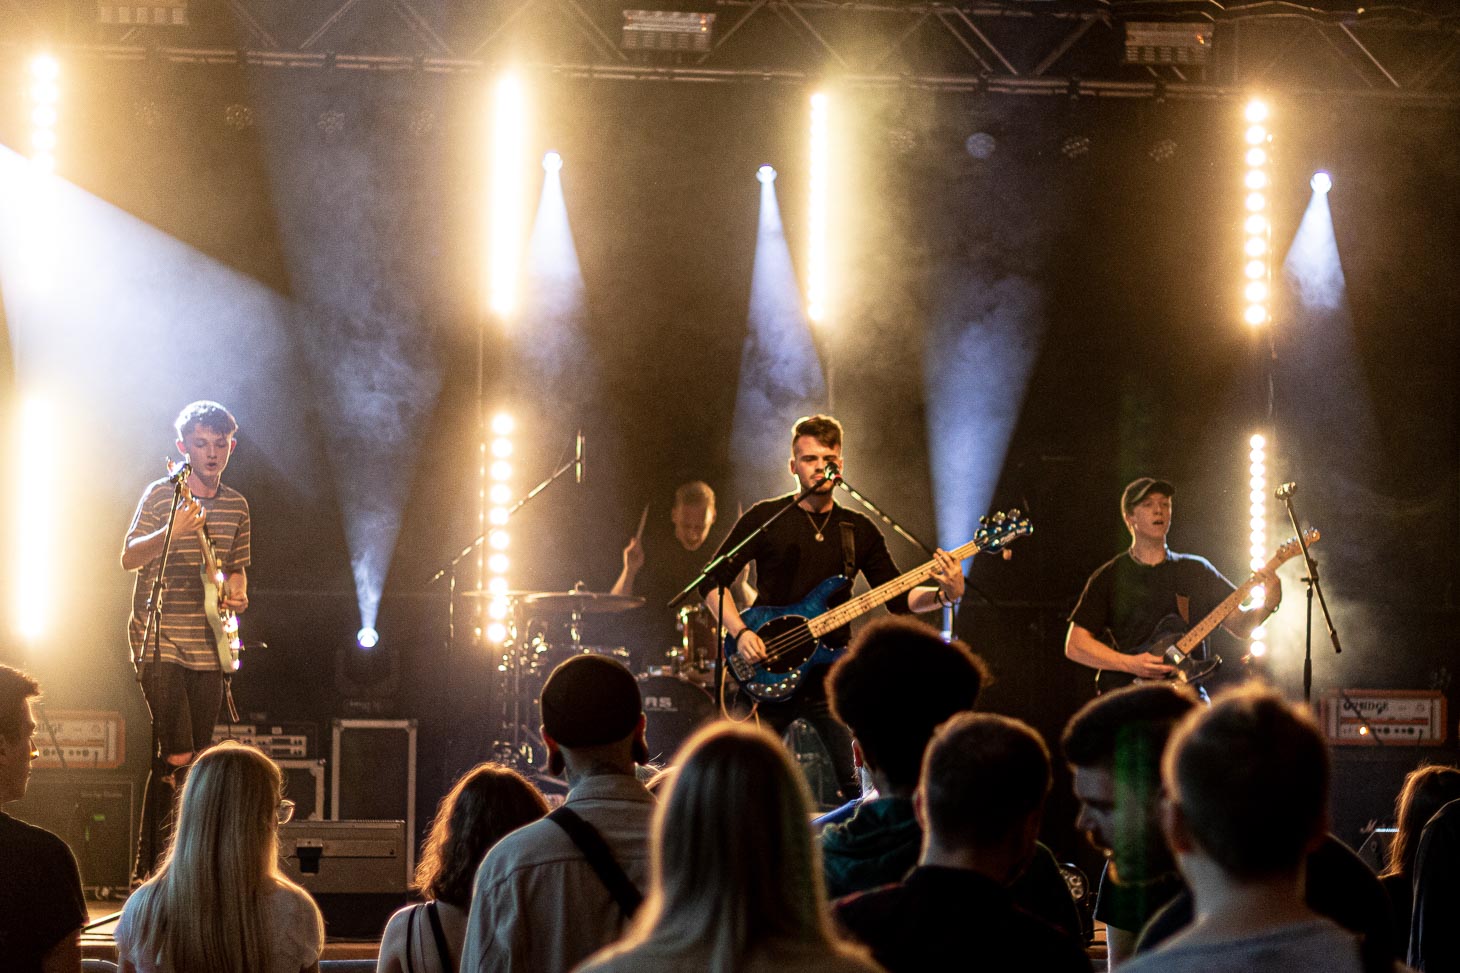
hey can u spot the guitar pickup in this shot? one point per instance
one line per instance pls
(744, 668)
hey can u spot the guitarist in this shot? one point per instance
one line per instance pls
(1127, 597)
(803, 548)
(186, 688)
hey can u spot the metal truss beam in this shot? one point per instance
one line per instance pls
(1008, 45)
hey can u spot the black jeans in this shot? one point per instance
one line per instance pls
(810, 704)
(184, 705)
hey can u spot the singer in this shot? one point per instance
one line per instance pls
(185, 689)
(1128, 597)
(817, 541)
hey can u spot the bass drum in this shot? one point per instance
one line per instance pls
(674, 708)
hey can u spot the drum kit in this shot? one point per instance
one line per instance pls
(546, 628)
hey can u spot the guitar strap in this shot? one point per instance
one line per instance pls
(849, 548)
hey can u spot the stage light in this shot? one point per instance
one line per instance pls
(1257, 506)
(502, 447)
(497, 587)
(497, 634)
(507, 195)
(1321, 182)
(497, 609)
(498, 540)
(503, 424)
(766, 174)
(818, 269)
(552, 162)
(501, 494)
(1257, 246)
(367, 637)
(44, 97)
(498, 564)
(497, 517)
(501, 470)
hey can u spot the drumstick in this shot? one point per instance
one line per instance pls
(643, 519)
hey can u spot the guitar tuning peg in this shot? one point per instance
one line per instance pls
(1000, 517)
(1015, 514)
(984, 521)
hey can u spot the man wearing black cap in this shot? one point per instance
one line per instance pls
(1128, 596)
(551, 893)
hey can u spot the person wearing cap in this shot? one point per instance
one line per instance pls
(1128, 597)
(550, 894)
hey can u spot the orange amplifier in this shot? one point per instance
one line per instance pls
(89, 739)
(1384, 717)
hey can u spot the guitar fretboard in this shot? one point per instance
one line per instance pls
(865, 602)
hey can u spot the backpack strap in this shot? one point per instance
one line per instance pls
(442, 950)
(600, 859)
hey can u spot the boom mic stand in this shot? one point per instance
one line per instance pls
(1313, 583)
(153, 632)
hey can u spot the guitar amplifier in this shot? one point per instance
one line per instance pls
(1392, 717)
(355, 870)
(282, 741)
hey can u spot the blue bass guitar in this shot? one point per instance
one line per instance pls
(792, 633)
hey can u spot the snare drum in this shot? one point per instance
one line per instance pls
(674, 708)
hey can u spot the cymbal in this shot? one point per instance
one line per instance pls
(583, 602)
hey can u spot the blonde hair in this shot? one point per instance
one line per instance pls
(203, 912)
(735, 867)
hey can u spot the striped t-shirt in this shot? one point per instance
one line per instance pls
(187, 638)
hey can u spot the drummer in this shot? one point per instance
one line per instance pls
(658, 566)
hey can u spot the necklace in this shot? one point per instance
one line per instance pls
(820, 536)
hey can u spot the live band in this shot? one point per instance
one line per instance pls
(752, 637)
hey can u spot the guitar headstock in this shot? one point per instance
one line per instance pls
(1290, 547)
(998, 530)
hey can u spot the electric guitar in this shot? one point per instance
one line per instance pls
(792, 633)
(221, 619)
(1175, 642)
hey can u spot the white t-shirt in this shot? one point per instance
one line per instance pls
(1312, 946)
(292, 919)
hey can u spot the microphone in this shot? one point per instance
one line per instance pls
(177, 474)
(831, 472)
(1285, 491)
(578, 458)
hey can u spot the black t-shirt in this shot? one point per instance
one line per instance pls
(955, 919)
(651, 631)
(1125, 600)
(40, 894)
(1434, 933)
(790, 561)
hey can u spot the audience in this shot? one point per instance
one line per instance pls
(897, 682)
(1247, 801)
(1434, 936)
(552, 893)
(487, 803)
(1425, 791)
(1113, 746)
(981, 801)
(41, 906)
(218, 902)
(736, 879)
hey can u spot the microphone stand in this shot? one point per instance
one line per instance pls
(896, 527)
(448, 570)
(1313, 583)
(153, 632)
(723, 569)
